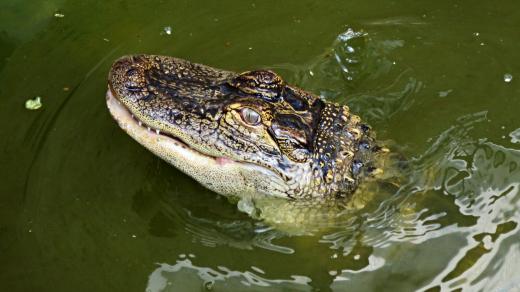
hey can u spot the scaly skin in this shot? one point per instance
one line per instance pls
(248, 134)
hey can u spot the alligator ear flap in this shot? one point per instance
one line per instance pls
(291, 140)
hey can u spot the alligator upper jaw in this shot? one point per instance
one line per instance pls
(220, 174)
(147, 135)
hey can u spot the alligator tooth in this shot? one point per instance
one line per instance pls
(149, 129)
(140, 123)
(157, 132)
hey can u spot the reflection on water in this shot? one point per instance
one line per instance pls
(191, 277)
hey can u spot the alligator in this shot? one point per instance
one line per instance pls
(247, 134)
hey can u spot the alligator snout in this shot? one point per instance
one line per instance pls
(127, 76)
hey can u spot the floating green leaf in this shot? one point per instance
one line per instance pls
(33, 104)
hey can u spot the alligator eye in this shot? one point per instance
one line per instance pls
(250, 116)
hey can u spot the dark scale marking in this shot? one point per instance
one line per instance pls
(297, 103)
(364, 145)
(365, 128)
(356, 167)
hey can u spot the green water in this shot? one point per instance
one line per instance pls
(85, 208)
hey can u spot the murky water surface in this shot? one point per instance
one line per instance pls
(85, 208)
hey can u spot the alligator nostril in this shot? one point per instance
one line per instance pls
(131, 72)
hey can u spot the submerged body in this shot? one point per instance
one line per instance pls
(245, 135)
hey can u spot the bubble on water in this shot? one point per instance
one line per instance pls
(208, 285)
(476, 34)
(59, 15)
(167, 30)
(515, 136)
(349, 34)
(488, 242)
(508, 77)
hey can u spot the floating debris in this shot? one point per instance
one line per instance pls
(167, 30)
(508, 77)
(445, 93)
(33, 104)
(59, 15)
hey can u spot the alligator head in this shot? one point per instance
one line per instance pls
(239, 134)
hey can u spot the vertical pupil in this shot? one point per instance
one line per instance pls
(250, 116)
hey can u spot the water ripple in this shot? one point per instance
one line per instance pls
(185, 274)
